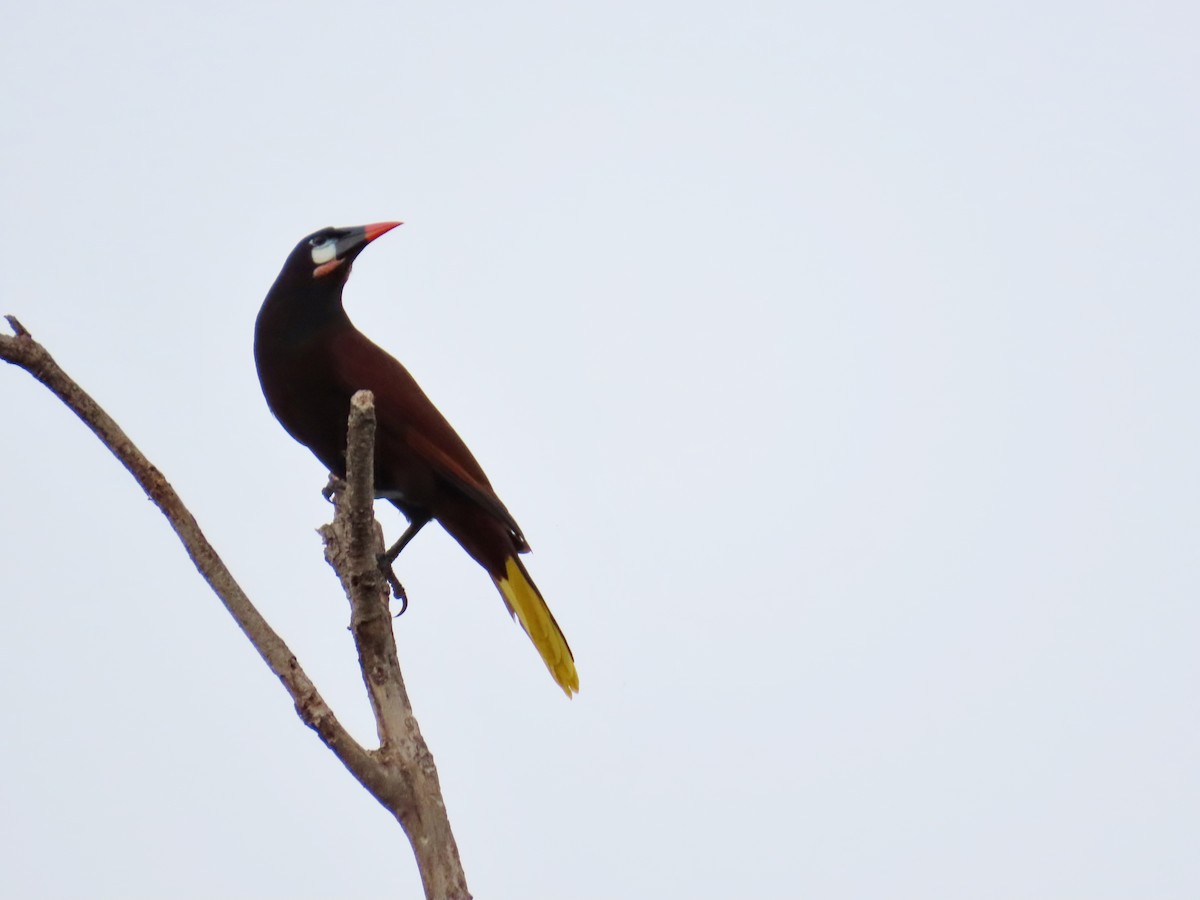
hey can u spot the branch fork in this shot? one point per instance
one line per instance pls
(400, 774)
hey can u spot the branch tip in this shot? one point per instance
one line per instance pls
(18, 329)
(363, 401)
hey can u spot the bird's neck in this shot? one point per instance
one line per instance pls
(293, 317)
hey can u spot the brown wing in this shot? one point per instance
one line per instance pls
(412, 432)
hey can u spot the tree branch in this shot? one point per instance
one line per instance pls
(353, 545)
(400, 775)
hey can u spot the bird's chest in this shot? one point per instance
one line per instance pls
(311, 399)
(303, 392)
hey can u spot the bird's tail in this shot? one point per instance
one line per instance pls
(527, 606)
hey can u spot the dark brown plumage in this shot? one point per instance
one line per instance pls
(311, 359)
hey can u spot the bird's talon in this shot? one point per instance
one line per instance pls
(397, 588)
(333, 486)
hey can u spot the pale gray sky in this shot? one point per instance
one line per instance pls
(838, 360)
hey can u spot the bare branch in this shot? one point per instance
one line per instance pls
(16, 326)
(353, 545)
(400, 775)
(26, 353)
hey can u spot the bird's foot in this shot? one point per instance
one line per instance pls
(398, 591)
(333, 486)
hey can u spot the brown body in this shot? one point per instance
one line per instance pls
(421, 464)
(311, 360)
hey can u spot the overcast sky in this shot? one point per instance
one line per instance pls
(839, 362)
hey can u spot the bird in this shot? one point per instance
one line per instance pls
(311, 359)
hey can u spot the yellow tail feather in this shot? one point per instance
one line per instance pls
(531, 611)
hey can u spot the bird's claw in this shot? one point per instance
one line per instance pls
(397, 588)
(334, 485)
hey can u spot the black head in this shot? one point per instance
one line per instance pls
(326, 255)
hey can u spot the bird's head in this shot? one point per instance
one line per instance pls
(307, 294)
(330, 251)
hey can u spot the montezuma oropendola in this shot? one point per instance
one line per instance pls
(311, 359)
